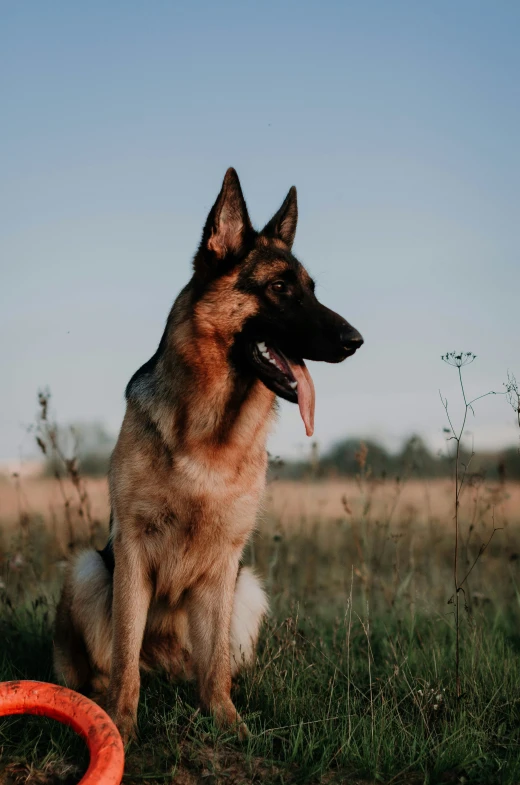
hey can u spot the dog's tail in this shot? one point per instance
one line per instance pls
(82, 639)
(249, 608)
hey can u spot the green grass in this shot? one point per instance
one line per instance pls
(354, 680)
(354, 699)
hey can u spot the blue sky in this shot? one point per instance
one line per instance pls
(397, 121)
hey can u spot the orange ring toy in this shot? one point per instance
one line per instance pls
(107, 757)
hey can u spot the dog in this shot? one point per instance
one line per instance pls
(189, 468)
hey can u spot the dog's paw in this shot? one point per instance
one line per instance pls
(126, 725)
(127, 729)
(226, 716)
(243, 732)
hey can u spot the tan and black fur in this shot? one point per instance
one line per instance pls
(188, 472)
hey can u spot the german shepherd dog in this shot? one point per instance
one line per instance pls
(189, 468)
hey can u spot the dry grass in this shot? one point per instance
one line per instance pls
(396, 537)
(359, 647)
(422, 502)
(43, 497)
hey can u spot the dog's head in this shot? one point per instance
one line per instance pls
(264, 298)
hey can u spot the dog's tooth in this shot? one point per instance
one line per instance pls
(294, 385)
(262, 347)
(267, 355)
(273, 362)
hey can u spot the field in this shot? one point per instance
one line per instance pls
(355, 677)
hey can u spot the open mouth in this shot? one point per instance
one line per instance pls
(290, 379)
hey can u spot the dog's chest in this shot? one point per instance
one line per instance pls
(221, 479)
(204, 524)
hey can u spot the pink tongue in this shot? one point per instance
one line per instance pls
(306, 395)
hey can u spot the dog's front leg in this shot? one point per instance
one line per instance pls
(131, 600)
(210, 607)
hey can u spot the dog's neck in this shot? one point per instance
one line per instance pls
(223, 407)
(192, 393)
(196, 400)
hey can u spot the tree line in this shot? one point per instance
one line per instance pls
(350, 457)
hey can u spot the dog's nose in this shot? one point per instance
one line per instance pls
(350, 338)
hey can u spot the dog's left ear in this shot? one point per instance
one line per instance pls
(283, 224)
(227, 225)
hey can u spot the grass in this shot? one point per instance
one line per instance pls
(354, 680)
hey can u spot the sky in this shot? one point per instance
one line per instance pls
(399, 123)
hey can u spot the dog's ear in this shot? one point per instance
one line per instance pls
(227, 226)
(283, 223)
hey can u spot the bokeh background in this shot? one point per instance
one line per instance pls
(398, 123)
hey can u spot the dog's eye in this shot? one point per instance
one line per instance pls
(279, 286)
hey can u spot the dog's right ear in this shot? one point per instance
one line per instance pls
(227, 227)
(283, 223)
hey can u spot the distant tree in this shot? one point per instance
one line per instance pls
(414, 459)
(91, 445)
(343, 458)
